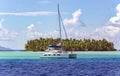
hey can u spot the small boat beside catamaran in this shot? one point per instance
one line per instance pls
(55, 51)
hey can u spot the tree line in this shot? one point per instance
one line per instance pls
(41, 44)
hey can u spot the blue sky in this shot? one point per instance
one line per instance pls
(22, 20)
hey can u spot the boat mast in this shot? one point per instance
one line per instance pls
(59, 25)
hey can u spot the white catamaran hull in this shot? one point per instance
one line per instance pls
(58, 55)
(55, 55)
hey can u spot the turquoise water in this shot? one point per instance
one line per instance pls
(36, 55)
(19, 55)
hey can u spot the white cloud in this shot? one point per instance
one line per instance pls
(27, 13)
(32, 32)
(75, 21)
(31, 27)
(111, 30)
(99, 33)
(108, 31)
(116, 19)
(5, 34)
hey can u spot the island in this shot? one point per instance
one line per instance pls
(41, 44)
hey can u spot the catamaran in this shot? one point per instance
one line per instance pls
(51, 52)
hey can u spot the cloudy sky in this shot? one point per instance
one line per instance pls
(22, 20)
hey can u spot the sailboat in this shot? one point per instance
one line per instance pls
(51, 52)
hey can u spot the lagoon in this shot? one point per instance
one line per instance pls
(36, 55)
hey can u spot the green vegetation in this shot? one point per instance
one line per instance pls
(70, 45)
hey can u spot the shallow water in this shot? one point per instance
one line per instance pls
(87, 64)
(36, 55)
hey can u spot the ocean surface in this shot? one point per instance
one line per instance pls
(87, 64)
